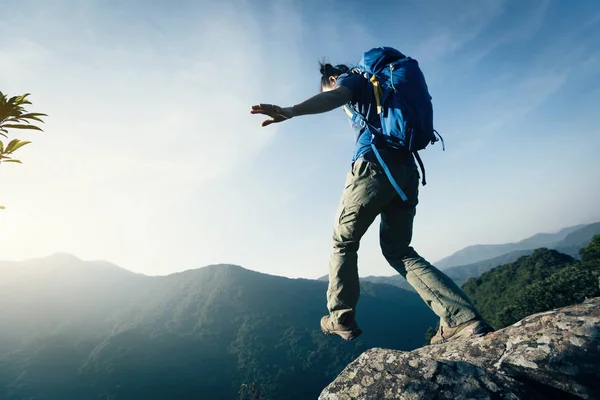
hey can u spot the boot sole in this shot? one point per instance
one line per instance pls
(346, 335)
(459, 337)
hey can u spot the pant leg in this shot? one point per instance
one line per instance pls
(438, 291)
(366, 191)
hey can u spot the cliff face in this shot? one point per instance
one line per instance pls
(555, 354)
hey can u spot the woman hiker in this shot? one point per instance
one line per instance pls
(368, 193)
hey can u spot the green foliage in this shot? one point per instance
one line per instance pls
(591, 253)
(13, 145)
(14, 116)
(496, 289)
(542, 281)
(571, 285)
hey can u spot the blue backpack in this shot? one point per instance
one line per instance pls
(403, 104)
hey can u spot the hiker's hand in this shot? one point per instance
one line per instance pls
(276, 113)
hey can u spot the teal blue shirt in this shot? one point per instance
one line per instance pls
(363, 102)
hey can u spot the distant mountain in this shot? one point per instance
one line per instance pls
(74, 329)
(473, 254)
(462, 273)
(394, 280)
(39, 296)
(579, 238)
(570, 245)
(546, 239)
(459, 274)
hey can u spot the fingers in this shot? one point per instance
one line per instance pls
(257, 110)
(270, 110)
(262, 109)
(265, 109)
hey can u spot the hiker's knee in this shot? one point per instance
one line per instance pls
(394, 247)
(399, 254)
(394, 253)
(345, 247)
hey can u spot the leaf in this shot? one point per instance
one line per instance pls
(11, 144)
(22, 127)
(1, 147)
(11, 160)
(16, 146)
(32, 115)
(33, 118)
(21, 99)
(26, 117)
(1, 207)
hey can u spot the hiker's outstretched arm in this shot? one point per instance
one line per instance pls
(320, 103)
(323, 102)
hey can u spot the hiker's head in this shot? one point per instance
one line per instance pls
(329, 75)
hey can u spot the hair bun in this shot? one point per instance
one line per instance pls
(327, 69)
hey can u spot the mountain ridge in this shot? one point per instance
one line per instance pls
(208, 331)
(479, 252)
(570, 245)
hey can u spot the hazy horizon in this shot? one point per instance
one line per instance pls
(67, 257)
(151, 161)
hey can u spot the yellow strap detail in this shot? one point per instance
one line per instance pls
(378, 93)
(348, 111)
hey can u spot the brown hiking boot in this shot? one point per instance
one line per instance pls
(472, 328)
(347, 332)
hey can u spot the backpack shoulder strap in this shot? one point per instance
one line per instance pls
(357, 117)
(389, 173)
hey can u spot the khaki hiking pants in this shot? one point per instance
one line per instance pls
(367, 194)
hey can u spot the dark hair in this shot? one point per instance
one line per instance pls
(328, 70)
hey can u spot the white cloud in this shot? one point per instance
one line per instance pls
(524, 30)
(456, 27)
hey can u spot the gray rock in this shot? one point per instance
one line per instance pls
(555, 354)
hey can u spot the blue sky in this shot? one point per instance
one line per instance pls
(151, 160)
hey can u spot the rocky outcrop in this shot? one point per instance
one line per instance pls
(551, 355)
